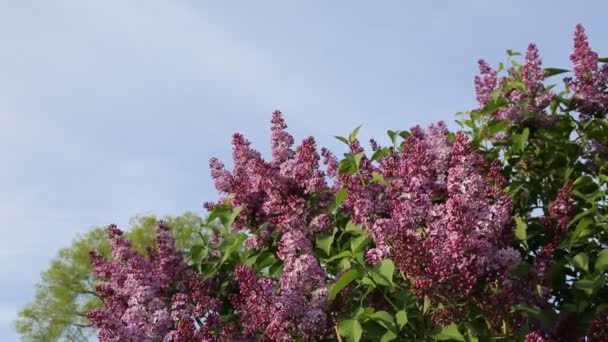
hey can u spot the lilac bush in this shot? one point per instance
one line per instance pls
(498, 231)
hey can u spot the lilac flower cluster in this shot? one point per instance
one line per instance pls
(151, 298)
(290, 195)
(289, 192)
(590, 82)
(532, 98)
(598, 331)
(440, 214)
(297, 308)
(536, 337)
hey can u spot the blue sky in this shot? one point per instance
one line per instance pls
(112, 108)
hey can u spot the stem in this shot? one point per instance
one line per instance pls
(337, 333)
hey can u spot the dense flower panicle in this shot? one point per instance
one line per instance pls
(281, 141)
(532, 73)
(524, 101)
(255, 301)
(485, 83)
(536, 337)
(598, 331)
(298, 308)
(330, 162)
(306, 169)
(290, 195)
(150, 298)
(590, 83)
(221, 177)
(441, 215)
(561, 212)
(294, 243)
(281, 192)
(562, 209)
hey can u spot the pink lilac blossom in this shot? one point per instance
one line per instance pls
(289, 194)
(536, 337)
(281, 141)
(562, 209)
(485, 83)
(533, 99)
(153, 298)
(441, 216)
(297, 308)
(532, 73)
(590, 82)
(561, 212)
(598, 331)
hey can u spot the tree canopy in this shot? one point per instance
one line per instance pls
(66, 290)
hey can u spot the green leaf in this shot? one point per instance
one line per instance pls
(357, 159)
(512, 53)
(385, 319)
(393, 136)
(426, 305)
(359, 243)
(347, 166)
(450, 333)
(324, 242)
(514, 188)
(521, 230)
(388, 336)
(351, 329)
(530, 311)
(590, 286)
(519, 140)
(401, 318)
(342, 139)
(368, 311)
(601, 263)
(197, 253)
(340, 255)
(383, 274)
(353, 228)
(585, 285)
(494, 105)
(496, 126)
(346, 278)
(264, 260)
(380, 153)
(378, 178)
(404, 134)
(340, 197)
(225, 213)
(583, 229)
(240, 238)
(353, 134)
(275, 269)
(581, 261)
(554, 71)
(517, 85)
(582, 181)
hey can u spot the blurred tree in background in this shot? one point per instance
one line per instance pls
(66, 291)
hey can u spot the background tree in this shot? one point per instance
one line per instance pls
(66, 291)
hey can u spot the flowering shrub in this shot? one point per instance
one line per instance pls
(498, 231)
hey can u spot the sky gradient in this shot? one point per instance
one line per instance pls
(112, 108)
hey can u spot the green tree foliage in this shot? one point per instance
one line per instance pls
(66, 291)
